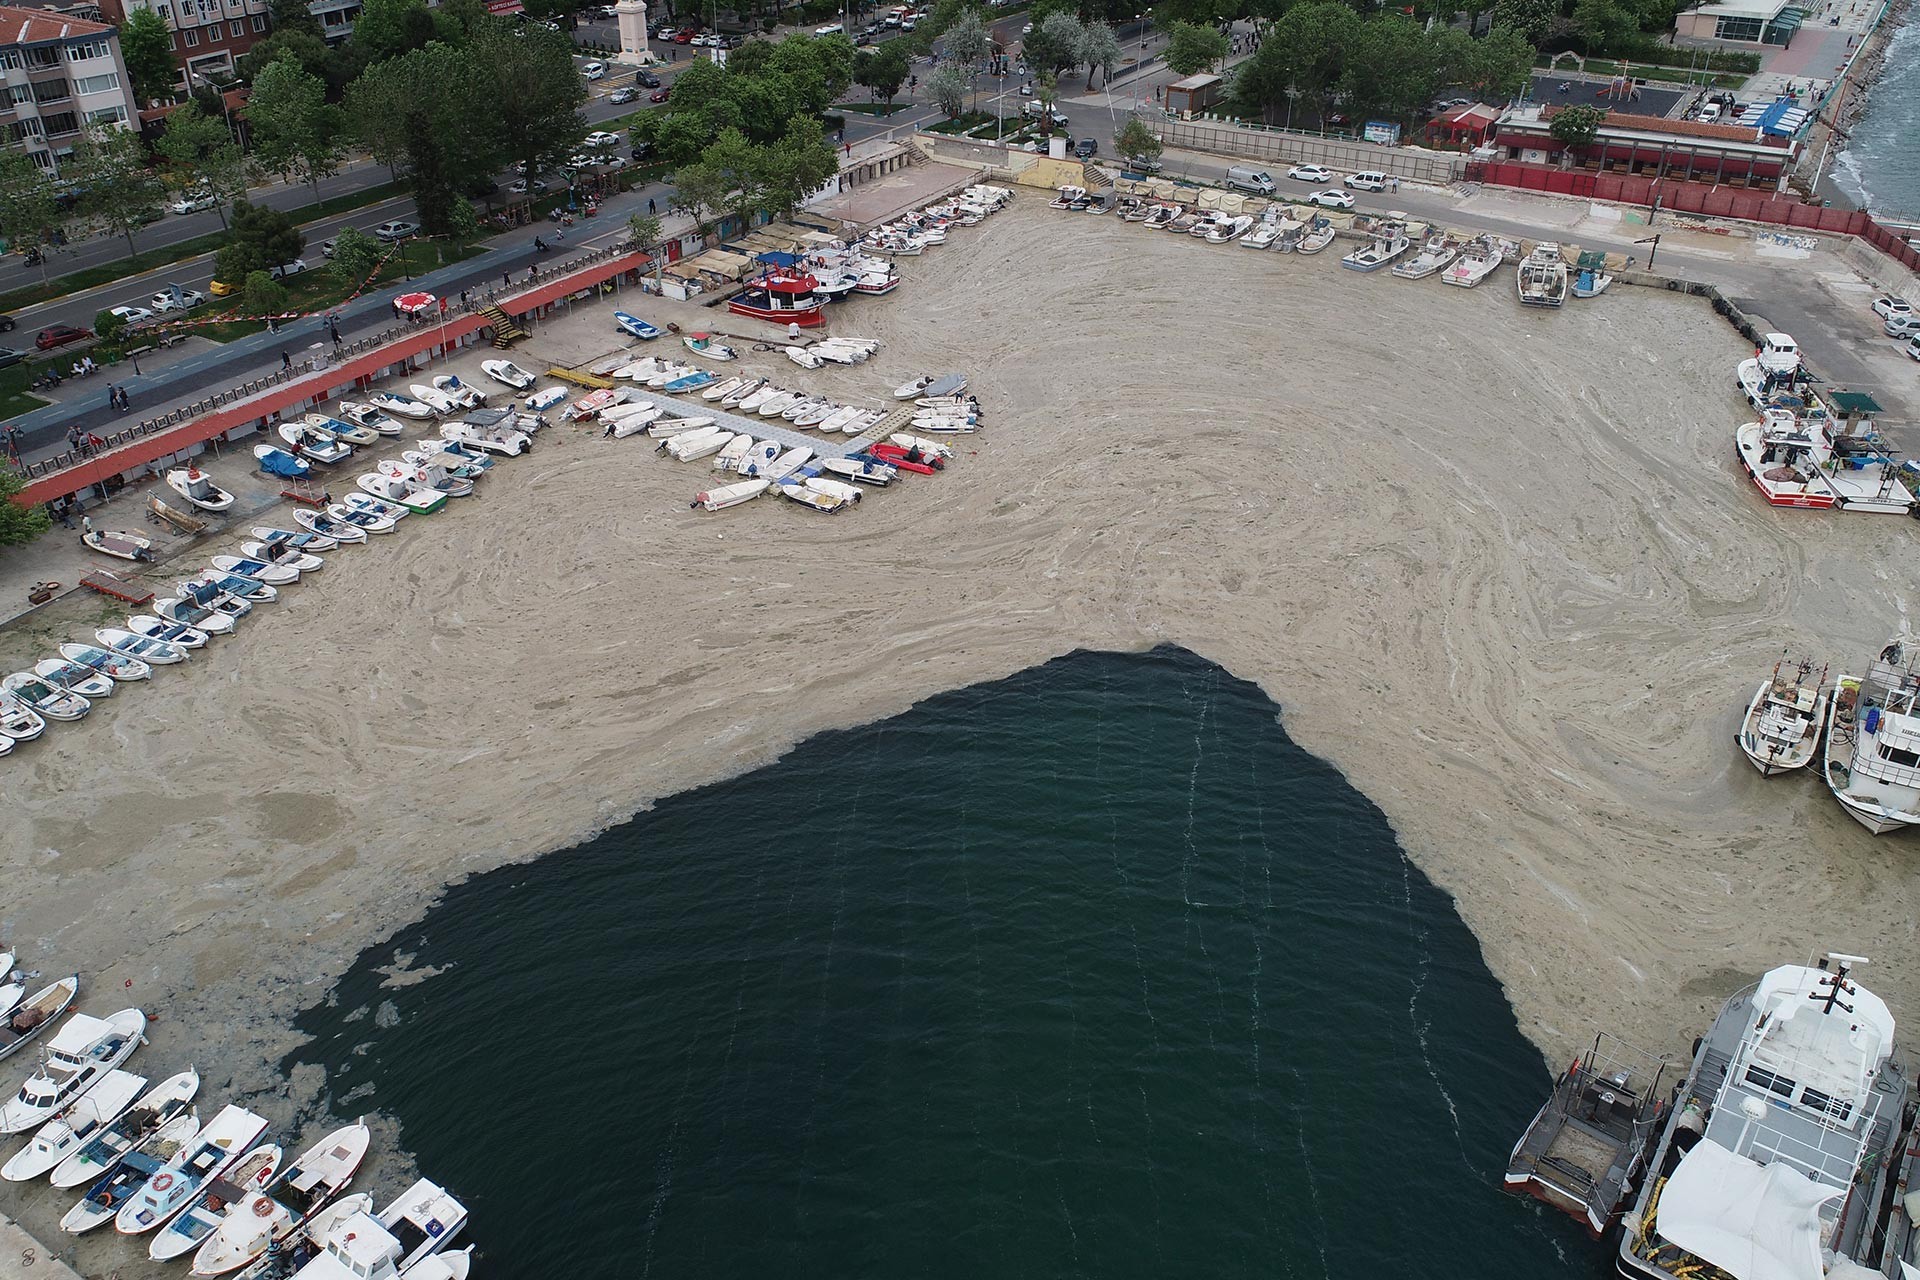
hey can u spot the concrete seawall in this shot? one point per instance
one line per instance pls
(24, 1258)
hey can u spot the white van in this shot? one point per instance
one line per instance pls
(1368, 180)
(1241, 178)
(1710, 113)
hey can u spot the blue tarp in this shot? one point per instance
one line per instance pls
(778, 259)
(1783, 118)
(281, 463)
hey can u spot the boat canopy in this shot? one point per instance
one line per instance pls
(1755, 1222)
(1836, 1052)
(81, 1033)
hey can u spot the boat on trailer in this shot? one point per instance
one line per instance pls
(1587, 1147)
(1783, 722)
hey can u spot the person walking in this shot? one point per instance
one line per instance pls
(286, 363)
(113, 402)
(650, 208)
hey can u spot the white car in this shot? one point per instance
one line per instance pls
(1913, 347)
(1311, 173)
(189, 298)
(194, 202)
(1902, 326)
(1331, 198)
(131, 314)
(523, 187)
(601, 138)
(831, 29)
(286, 269)
(625, 93)
(593, 70)
(1886, 306)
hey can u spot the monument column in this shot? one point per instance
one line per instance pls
(632, 17)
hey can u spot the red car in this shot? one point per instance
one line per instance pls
(684, 36)
(59, 335)
(659, 95)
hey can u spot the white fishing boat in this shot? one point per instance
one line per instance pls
(454, 456)
(204, 1213)
(633, 425)
(115, 1188)
(405, 492)
(1435, 254)
(1228, 229)
(362, 515)
(802, 357)
(758, 458)
(813, 498)
(1873, 741)
(1382, 248)
(175, 633)
(1590, 283)
(106, 661)
(707, 347)
(18, 723)
(1317, 237)
(861, 421)
(197, 487)
(464, 394)
(314, 445)
(189, 612)
(1478, 259)
(728, 459)
(426, 477)
(910, 390)
(838, 419)
(119, 544)
(721, 390)
(374, 507)
(787, 463)
(1784, 457)
(700, 445)
(1263, 235)
(236, 587)
(507, 373)
(744, 392)
(328, 527)
(310, 1235)
(96, 1155)
(215, 1149)
(925, 446)
(776, 404)
(1785, 719)
(71, 676)
(43, 1008)
(78, 1057)
(424, 1219)
(354, 433)
(866, 472)
(1541, 277)
(359, 1248)
(404, 406)
(806, 406)
(438, 400)
(759, 395)
(505, 441)
(667, 428)
(155, 653)
(264, 571)
(812, 415)
(301, 540)
(282, 554)
(723, 496)
(834, 488)
(371, 417)
(540, 401)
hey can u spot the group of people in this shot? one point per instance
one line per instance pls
(83, 366)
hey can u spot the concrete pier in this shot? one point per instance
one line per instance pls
(24, 1258)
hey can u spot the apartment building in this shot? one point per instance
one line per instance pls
(208, 35)
(62, 74)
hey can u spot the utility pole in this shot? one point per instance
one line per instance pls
(1653, 240)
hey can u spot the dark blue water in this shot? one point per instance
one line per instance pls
(1086, 972)
(1879, 164)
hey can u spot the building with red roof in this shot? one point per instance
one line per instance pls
(63, 75)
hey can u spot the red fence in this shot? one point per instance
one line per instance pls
(1698, 198)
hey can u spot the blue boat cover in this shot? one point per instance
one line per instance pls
(282, 463)
(775, 259)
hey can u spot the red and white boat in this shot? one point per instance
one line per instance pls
(591, 403)
(1782, 455)
(781, 297)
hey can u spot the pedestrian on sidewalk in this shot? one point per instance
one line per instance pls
(113, 402)
(506, 279)
(286, 363)
(73, 433)
(650, 209)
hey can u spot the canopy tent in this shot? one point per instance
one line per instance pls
(1755, 1222)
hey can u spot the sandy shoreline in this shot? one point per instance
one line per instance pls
(1496, 565)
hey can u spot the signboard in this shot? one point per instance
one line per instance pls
(1384, 132)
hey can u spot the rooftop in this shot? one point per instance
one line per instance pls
(1765, 10)
(37, 26)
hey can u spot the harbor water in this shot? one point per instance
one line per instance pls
(1089, 971)
(1879, 166)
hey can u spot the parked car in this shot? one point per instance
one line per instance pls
(665, 34)
(1887, 306)
(286, 269)
(1247, 178)
(1034, 111)
(398, 229)
(189, 298)
(131, 314)
(1366, 180)
(831, 29)
(1332, 198)
(593, 70)
(659, 95)
(1320, 175)
(194, 202)
(642, 151)
(1902, 326)
(648, 80)
(601, 138)
(1913, 346)
(683, 37)
(1086, 148)
(6, 324)
(59, 335)
(525, 188)
(625, 93)
(9, 357)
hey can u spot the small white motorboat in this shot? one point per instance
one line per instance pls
(402, 492)
(315, 542)
(1263, 235)
(728, 459)
(129, 1174)
(118, 665)
(833, 488)
(317, 1227)
(315, 444)
(197, 487)
(1477, 260)
(773, 406)
(802, 406)
(787, 463)
(742, 393)
(816, 413)
(909, 390)
(206, 1211)
(1781, 729)
(540, 401)
(78, 1057)
(42, 1009)
(405, 406)
(75, 678)
(861, 421)
(328, 526)
(454, 456)
(806, 497)
(428, 394)
(425, 1218)
(155, 653)
(667, 428)
(464, 394)
(371, 417)
(355, 433)
(261, 570)
(874, 473)
(1378, 251)
(699, 445)
(802, 357)
(186, 612)
(375, 515)
(145, 624)
(758, 458)
(1436, 253)
(18, 723)
(67, 1133)
(98, 1155)
(114, 542)
(730, 495)
(753, 399)
(925, 446)
(283, 554)
(504, 441)
(435, 478)
(237, 585)
(721, 390)
(707, 347)
(508, 373)
(214, 1150)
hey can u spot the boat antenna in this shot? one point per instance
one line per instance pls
(1836, 983)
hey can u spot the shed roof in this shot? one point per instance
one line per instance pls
(1194, 82)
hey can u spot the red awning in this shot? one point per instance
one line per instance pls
(505, 8)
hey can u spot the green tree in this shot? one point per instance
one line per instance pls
(947, 86)
(1531, 18)
(426, 117)
(29, 207)
(1577, 126)
(1604, 24)
(147, 47)
(1192, 48)
(882, 70)
(1390, 68)
(259, 238)
(1136, 141)
(643, 230)
(1500, 65)
(463, 222)
(388, 28)
(110, 169)
(292, 15)
(795, 167)
(205, 154)
(699, 192)
(967, 42)
(1306, 50)
(108, 327)
(19, 524)
(1054, 44)
(304, 48)
(1169, 14)
(1099, 48)
(355, 255)
(296, 132)
(262, 295)
(534, 94)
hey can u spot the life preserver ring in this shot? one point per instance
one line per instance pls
(161, 1181)
(263, 1208)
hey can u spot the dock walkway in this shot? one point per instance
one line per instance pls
(24, 1258)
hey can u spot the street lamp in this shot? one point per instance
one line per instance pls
(1292, 93)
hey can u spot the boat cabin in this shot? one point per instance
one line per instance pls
(1778, 353)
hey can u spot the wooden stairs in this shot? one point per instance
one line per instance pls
(505, 331)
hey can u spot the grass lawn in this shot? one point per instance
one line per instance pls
(969, 121)
(108, 272)
(14, 381)
(1664, 75)
(871, 108)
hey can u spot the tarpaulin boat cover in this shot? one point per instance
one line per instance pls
(279, 463)
(1755, 1222)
